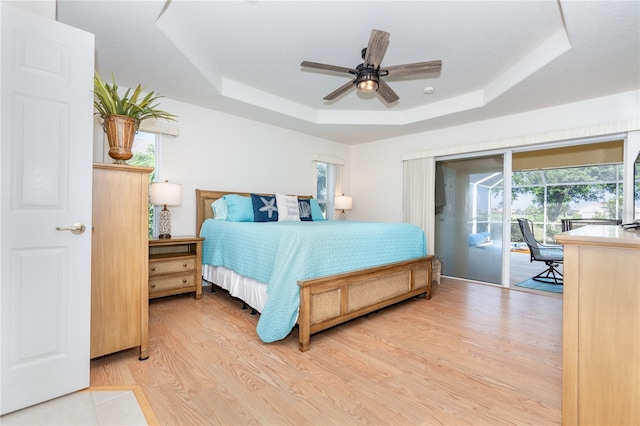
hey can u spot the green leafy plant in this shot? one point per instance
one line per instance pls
(107, 101)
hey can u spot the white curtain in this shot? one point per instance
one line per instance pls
(419, 197)
(332, 184)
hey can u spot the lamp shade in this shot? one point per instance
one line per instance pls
(343, 202)
(165, 193)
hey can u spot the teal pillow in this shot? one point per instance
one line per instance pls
(316, 211)
(240, 208)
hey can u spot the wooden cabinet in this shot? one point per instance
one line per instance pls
(601, 326)
(175, 266)
(119, 259)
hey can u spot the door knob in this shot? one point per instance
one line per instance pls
(76, 228)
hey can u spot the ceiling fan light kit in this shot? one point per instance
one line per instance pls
(367, 80)
(369, 72)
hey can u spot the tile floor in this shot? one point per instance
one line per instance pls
(85, 408)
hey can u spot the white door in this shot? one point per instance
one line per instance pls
(45, 176)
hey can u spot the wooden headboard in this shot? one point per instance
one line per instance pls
(204, 198)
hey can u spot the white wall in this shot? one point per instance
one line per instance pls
(218, 151)
(376, 167)
(222, 152)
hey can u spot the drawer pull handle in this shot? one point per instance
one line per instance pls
(184, 281)
(184, 265)
(153, 269)
(153, 286)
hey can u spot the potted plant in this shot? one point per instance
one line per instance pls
(122, 114)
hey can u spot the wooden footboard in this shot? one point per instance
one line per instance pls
(329, 301)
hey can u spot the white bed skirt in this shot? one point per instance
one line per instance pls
(253, 292)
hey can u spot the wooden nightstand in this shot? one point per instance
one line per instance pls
(175, 266)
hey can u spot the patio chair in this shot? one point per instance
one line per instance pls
(569, 224)
(552, 256)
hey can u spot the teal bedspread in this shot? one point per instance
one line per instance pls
(281, 253)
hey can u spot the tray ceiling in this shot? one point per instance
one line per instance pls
(243, 57)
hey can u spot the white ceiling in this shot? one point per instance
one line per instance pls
(243, 57)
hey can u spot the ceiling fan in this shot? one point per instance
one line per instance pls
(369, 72)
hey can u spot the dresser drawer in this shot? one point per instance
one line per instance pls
(168, 266)
(169, 283)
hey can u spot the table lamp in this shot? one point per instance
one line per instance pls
(165, 194)
(343, 202)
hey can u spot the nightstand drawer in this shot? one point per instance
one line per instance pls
(160, 284)
(172, 266)
(175, 266)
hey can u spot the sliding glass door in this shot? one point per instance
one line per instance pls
(548, 185)
(469, 217)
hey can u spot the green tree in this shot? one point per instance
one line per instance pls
(321, 181)
(564, 186)
(613, 208)
(146, 158)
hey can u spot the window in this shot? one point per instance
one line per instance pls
(321, 180)
(546, 196)
(327, 176)
(145, 147)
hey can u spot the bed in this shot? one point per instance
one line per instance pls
(321, 300)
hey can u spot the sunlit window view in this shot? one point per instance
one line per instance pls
(321, 191)
(327, 177)
(144, 155)
(547, 197)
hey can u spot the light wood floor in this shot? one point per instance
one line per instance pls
(473, 354)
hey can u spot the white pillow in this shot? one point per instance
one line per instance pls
(220, 209)
(287, 207)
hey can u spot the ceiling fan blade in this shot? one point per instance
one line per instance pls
(376, 48)
(417, 68)
(339, 91)
(326, 67)
(387, 92)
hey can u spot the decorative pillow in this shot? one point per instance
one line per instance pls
(304, 208)
(220, 209)
(316, 211)
(265, 208)
(240, 208)
(287, 207)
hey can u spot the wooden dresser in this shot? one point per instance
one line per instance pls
(175, 266)
(601, 326)
(120, 259)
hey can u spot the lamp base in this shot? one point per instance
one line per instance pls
(164, 224)
(343, 215)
